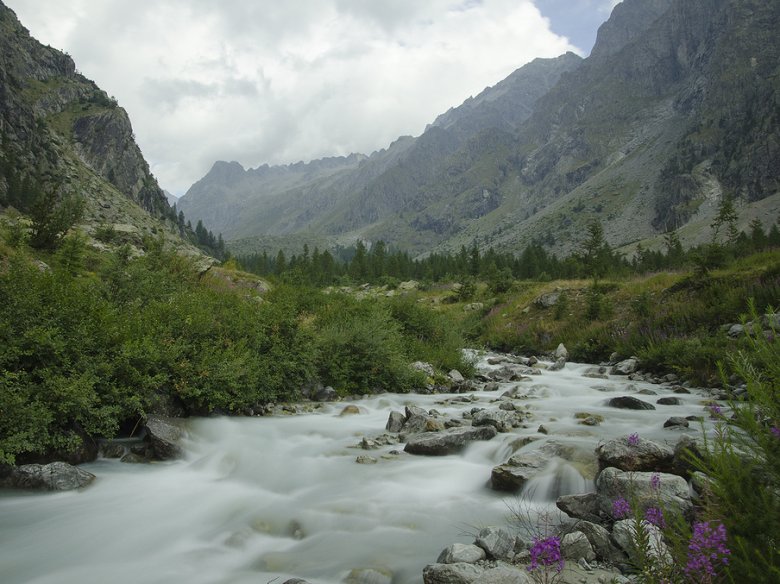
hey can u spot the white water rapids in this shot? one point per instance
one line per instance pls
(262, 499)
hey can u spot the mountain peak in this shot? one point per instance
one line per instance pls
(628, 20)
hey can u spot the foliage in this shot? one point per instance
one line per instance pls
(52, 216)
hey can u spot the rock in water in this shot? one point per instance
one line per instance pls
(449, 441)
(644, 455)
(627, 402)
(459, 552)
(55, 476)
(164, 435)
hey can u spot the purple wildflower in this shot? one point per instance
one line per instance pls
(775, 431)
(655, 516)
(715, 410)
(546, 552)
(655, 481)
(620, 508)
(633, 439)
(706, 549)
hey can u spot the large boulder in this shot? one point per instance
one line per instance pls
(575, 545)
(669, 491)
(449, 441)
(626, 367)
(561, 352)
(637, 455)
(600, 541)
(627, 402)
(459, 552)
(497, 542)
(501, 420)
(585, 506)
(55, 476)
(458, 573)
(463, 573)
(624, 534)
(395, 422)
(164, 435)
(523, 466)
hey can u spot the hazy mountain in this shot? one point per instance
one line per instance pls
(170, 197)
(675, 108)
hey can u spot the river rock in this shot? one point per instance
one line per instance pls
(460, 573)
(600, 542)
(627, 402)
(575, 545)
(501, 420)
(164, 434)
(686, 451)
(626, 367)
(585, 506)
(395, 422)
(669, 401)
(296, 581)
(350, 410)
(459, 552)
(369, 576)
(645, 455)
(497, 542)
(522, 467)
(624, 534)
(449, 441)
(596, 373)
(561, 352)
(326, 393)
(672, 492)
(676, 422)
(559, 364)
(365, 459)
(426, 368)
(505, 574)
(55, 476)
(456, 376)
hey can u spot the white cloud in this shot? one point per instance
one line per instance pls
(278, 82)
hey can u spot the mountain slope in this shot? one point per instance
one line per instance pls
(675, 109)
(364, 190)
(63, 134)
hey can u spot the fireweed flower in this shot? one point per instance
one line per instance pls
(706, 550)
(545, 553)
(633, 439)
(655, 516)
(715, 410)
(655, 481)
(620, 508)
(775, 431)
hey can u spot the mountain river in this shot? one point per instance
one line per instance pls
(264, 499)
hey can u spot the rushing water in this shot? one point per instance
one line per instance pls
(258, 499)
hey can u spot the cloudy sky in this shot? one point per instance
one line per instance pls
(271, 81)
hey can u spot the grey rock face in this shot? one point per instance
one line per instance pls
(55, 476)
(644, 455)
(626, 367)
(164, 435)
(459, 552)
(585, 506)
(671, 493)
(575, 545)
(460, 573)
(449, 441)
(501, 420)
(395, 421)
(522, 467)
(497, 542)
(624, 534)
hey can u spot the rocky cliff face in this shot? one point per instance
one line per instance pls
(675, 108)
(61, 130)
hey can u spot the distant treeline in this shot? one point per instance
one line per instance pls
(594, 258)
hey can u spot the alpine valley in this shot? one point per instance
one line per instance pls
(675, 108)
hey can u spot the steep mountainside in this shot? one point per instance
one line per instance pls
(676, 108)
(63, 134)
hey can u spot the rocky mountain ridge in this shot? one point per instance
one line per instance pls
(674, 109)
(61, 132)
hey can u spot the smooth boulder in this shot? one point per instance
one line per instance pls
(641, 455)
(627, 402)
(449, 441)
(164, 435)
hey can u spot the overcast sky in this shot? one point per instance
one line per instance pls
(272, 81)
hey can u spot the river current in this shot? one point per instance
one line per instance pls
(264, 499)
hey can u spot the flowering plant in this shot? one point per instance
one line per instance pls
(546, 556)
